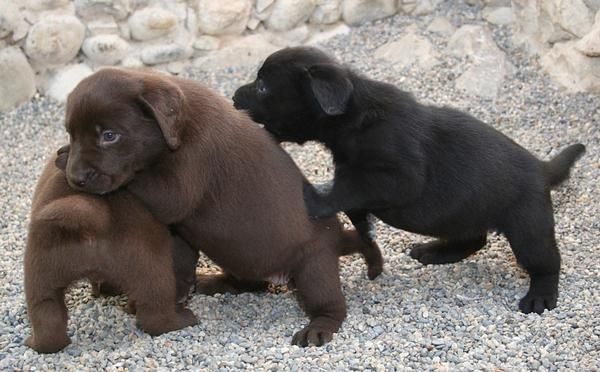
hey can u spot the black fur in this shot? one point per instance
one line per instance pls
(430, 170)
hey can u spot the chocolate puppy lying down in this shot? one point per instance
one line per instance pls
(429, 170)
(111, 240)
(218, 180)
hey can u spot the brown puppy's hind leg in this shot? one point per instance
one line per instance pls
(227, 283)
(46, 277)
(319, 291)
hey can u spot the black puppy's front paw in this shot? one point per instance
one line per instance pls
(315, 204)
(537, 303)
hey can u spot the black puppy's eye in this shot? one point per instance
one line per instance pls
(261, 87)
(108, 136)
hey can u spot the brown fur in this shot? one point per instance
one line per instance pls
(223, 184)
(113, 241)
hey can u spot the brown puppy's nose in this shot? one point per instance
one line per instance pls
(80, 178)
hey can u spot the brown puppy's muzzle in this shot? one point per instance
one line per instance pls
(84, 177)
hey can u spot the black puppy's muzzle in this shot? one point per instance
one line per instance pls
(243, 97)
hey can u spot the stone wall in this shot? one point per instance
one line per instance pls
(566, 35)
(50, 45)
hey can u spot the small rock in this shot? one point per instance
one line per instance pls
(105, 49)
(327, 12)
(206, 42)
(104, 25)
(356, 12)
(54, 40)
(10, 17)
(574, 16)
(151, 23)
(155, 54)
(425, 7)
(499, 16)
(441, 25)
(262, 5)
(90, 9)
(473, 40)
(289, 38)
(263, 9)
(250, 50)
(485, 74)
(410, 49)
(223, 17)
(572, 69)
(482, 79)
(590, 43)
(17, 82)
(176, 67)
(66, 79)
(253, 23)
(38, 5)
(326, 33)
(132, 62)
(288, 14)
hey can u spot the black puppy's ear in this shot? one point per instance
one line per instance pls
(62, 156)
(331, 87)
(163, 100)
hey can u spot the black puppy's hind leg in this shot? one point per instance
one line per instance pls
(530, 232)
(371, 252)
(319, 292)
(446, 251)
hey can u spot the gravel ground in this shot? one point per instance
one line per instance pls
(451, 317)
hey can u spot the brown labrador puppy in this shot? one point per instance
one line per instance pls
(224, 186)
(112, 241)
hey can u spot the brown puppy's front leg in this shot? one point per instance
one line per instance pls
(153, 293)
(319, 290)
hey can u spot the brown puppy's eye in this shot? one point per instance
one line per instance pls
(261, 87)
(108, 137)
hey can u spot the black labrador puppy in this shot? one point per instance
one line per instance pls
(429, 170)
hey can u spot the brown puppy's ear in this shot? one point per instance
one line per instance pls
(331, 87)
(164, 101)
(62, 156)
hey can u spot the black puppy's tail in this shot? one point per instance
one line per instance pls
(557, 169)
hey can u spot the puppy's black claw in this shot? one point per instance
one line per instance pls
(537, 303)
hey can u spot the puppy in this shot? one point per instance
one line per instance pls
(429, 170)
(112, 241)
(218, 180)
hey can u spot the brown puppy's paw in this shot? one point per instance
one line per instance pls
(312, 335)
(537, 303)
(50, 346)
(130, 307)
(155, 326)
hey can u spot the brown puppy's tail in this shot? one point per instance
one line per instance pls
(76, 213)
(557, 169)
(353, 242)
